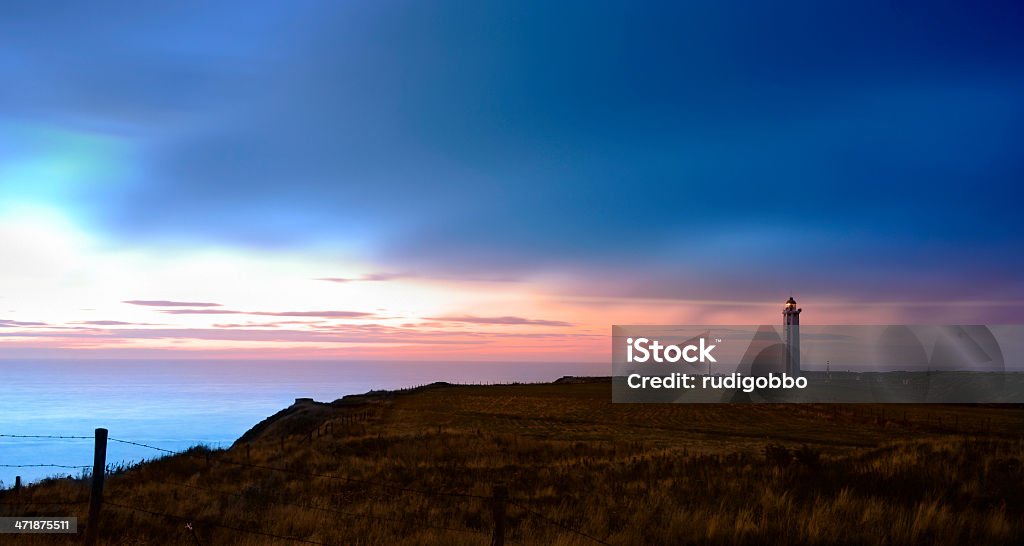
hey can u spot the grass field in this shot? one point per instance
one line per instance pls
(420, 467)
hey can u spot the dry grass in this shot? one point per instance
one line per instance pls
(627, 474)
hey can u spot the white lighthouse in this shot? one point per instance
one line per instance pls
(791, 336)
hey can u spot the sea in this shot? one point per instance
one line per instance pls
(174, 405)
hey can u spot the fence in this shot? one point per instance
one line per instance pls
(499, 499)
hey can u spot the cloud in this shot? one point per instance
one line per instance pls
(274, 324)
(316, 314)
(202, 312)
(166, 303)
(501, 320)
(349, 334)
(480, 190)
(371, 277)
(493, 145)
(352, 335)
(15, 323)
(112, 323)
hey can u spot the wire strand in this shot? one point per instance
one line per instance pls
(43, 466)
(118, 440)
(312, 475)
(285, 470)
(46, 436)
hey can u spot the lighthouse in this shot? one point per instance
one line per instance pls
(791, 336)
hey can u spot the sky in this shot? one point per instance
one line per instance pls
(499, 180)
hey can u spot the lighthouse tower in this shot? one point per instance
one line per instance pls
(791, 336)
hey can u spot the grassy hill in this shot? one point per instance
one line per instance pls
(421, 466)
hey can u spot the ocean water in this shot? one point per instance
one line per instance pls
(177, 404)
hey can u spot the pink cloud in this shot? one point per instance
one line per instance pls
(316, 314)
(167, 303)
(16, 323)
(501, 320)
(112, 323)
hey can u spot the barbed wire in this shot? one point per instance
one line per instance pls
(285, 503)
(393, 487)
(557, 523)
(43, 466)
(120, 441)
(313, 475)
(47, 436)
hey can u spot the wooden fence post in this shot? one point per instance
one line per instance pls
(99, 469)
(17, 486)
(500, 498)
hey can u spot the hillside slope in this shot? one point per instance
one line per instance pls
(420, 467)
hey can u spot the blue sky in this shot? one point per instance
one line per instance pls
(714, 150)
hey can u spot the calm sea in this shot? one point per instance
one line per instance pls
(177, 404)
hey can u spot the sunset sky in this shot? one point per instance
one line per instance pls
(498, 181)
